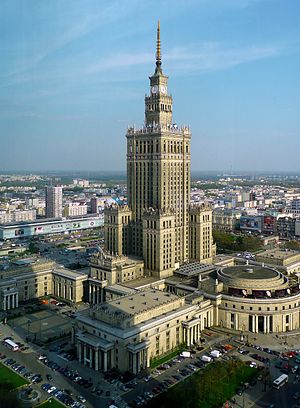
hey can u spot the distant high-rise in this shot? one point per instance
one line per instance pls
(54, 208)
(94, 205)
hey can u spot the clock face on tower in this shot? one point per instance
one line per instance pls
(163, 89)
(154, 89)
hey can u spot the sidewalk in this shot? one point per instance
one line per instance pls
(279, 342)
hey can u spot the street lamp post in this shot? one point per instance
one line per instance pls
(28, 324)
(44, 324)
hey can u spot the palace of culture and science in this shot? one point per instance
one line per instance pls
(159, 225)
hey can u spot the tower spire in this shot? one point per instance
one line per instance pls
(158, 49)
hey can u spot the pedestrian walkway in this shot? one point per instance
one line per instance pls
(279, 342)
(120, 403)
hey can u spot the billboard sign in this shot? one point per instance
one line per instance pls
(251, 223)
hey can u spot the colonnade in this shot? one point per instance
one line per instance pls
(139, 360)
(10, 301)
(96, 294)
(94, 357)
(262, 323)
(192, 329)
(63, 290)
(192, 334)
(267, 324)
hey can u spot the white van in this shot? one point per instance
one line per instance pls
(215, 353)
(185, 354)
(206, 359)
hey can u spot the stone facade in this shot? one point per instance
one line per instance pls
(258, 299)
(68, 285)
(24, 282)
(202, 248)
(131, 331)
(117, 229)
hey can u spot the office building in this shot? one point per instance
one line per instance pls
(17, 216)
(95, 205)
(75, 209)
(54, 208)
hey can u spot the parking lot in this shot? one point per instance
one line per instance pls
(58, 367)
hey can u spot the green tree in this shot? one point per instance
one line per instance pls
(292, 245)
(33, 248)
(229, 242)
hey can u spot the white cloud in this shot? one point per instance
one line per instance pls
(203, 57)
(216, 56)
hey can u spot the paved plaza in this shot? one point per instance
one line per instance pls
(42, 325)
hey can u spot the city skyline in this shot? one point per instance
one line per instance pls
(73, 78)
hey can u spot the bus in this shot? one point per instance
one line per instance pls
(280, 381)
(11, 345)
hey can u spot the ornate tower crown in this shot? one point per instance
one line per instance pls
(158, 109)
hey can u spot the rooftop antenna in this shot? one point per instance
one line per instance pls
(158, 48)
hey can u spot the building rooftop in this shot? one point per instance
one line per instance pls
(24, 262)
(193, 268)
(69, 274)
(249, 272)
(140, 282)
(137, 303)
(278, 253)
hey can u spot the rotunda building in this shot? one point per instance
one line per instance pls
(257, 299)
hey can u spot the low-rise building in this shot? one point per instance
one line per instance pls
(287, 259)
(24, 280)
(225, 220)
(49, 226)
(31, 278)
(75, 209)
(129, 332)
(17, 216)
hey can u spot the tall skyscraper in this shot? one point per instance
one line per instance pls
(158, 174)
(54, 208)
(156, 224)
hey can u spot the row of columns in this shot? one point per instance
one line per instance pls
(266, 325)
(63, 290)
(94, 358)
(96, 294)
(192, 332)
(290, 325)
(139, 360)
(10, 301)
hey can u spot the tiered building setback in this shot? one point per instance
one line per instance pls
(156, 224)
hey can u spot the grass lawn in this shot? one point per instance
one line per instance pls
(208, 388)
(168, 357)
(10, 378)
(51, 403)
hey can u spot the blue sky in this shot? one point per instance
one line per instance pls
(73, 75)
